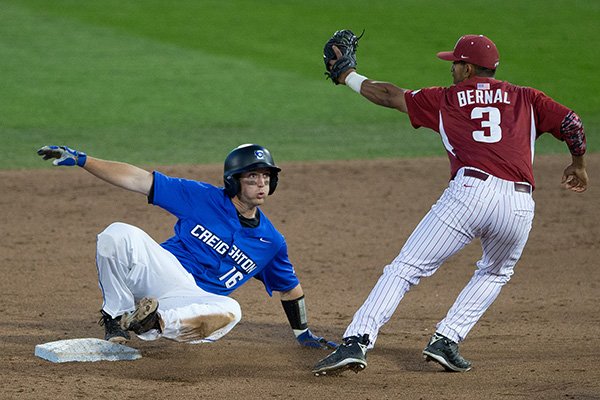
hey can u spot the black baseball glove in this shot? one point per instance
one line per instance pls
(347, 42)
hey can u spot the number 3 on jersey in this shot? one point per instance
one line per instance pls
(492, 122)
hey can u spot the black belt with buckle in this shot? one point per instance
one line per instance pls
(519, 187)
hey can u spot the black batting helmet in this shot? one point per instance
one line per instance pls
(244, 158)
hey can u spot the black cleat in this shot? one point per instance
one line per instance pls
(445, 352)
(144, 318)
(351, 354)
(112, 329)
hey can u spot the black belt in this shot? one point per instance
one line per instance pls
(519, 187)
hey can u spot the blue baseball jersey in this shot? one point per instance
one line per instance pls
(211, 243)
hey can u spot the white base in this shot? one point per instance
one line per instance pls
(89, 349)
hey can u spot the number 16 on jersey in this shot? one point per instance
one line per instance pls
(231, 278)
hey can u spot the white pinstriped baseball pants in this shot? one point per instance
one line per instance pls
(131, 265)
(469, 208)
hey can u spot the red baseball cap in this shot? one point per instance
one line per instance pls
(473, 49)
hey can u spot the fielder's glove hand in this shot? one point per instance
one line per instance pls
(308, 339)
(64, 156)
(347, 42)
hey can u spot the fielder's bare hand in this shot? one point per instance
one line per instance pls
(575, 176)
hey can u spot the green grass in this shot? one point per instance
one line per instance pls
(168, 82)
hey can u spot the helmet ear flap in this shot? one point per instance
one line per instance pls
(273, 181)
(232, 185)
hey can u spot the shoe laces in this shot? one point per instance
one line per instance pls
(107, 320)
(104, 318)
(362, 340)
(451, 346)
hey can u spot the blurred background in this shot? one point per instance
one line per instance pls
(183, 81)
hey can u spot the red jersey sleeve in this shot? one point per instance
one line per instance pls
(548, 113)
(423, 107)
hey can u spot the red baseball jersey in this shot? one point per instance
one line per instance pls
(487, 124)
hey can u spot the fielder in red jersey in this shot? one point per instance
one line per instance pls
(487, 124)
(488, 128)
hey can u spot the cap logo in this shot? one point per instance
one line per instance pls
(259, 154)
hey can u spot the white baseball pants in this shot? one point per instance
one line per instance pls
(469, 208)
(131, 265)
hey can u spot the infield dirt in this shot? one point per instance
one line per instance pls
(343, 222)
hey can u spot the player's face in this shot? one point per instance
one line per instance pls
(254, 187)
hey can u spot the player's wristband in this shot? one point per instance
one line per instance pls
(81, 159)
(354, 81)
(296, 314)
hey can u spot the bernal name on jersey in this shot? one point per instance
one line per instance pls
(468, 97)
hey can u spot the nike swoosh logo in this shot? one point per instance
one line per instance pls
(264, 240)
(463, 57)
(467, 185)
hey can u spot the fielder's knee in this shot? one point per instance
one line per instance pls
(501, 277)
(410, 274)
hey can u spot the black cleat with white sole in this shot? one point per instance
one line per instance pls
(445, 352)
(350, 355)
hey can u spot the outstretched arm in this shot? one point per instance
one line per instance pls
(120, 174)
(381, 93)
(295, 309)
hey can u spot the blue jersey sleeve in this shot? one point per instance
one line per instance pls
(179, 196)
(279, 275)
